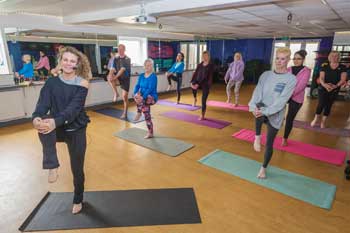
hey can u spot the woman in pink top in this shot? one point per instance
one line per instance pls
(43, 65)
(302, 73)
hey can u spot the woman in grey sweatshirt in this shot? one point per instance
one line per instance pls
(269, 101)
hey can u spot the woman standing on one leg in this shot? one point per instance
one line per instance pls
(234, 77)
(302, 74)
(111, 78)
(145, 95)
(175, 74)
(202, 79)
(63, 98)
(332, 77)
(268, 103)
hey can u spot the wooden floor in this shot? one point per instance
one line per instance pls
(227, 203)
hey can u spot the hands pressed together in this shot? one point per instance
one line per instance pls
(44, 126)
(330, 86)
(257, 113)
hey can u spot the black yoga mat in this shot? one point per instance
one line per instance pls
(116, 113)
(102, 209)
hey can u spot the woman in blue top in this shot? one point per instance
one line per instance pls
(145, 95)
(27, 71)
(175, 73)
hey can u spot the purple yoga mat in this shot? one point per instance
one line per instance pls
(180, 105)
(212, 123)
(331, 131)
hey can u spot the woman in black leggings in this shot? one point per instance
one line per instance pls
(302, 73)
(202, 79)
(332, 77)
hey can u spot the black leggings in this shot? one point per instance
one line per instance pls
(325, 101)
(178, 79)
(270, 137)
(205, 94)
(293, 109)
(76, 142)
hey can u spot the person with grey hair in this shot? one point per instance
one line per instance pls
(145, 95)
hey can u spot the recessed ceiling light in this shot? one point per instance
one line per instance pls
(1, 1)
(324, 2)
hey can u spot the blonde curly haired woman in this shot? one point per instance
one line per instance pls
(63, 98)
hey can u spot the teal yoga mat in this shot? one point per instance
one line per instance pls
(303, 188)
(165, 145)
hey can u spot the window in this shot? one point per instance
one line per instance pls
(136, 49)
(310, 46)
(4, 69)
(193, 53)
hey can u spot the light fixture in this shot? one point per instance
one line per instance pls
(324, 2)
(1, 1)
(289, 18)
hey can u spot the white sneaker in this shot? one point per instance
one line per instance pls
(53, 175)
(257, 145)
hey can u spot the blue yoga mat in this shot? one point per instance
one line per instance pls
(303, 188)
(116, 113)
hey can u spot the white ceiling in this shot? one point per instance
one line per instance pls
(207, 18)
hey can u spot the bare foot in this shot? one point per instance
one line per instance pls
(228, 101)
(137, 117)
(262, 173)
(201, 118)
(194, 102)
(77, 208)
(177, 102)
(323, 125)
(123, 116)
(115, 98)
(149, 135)
(284, 142)
(53, 175)
(235, 105)
(169, 87)
(314, 122)
(257, 145)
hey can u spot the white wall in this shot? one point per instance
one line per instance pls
(20, 101)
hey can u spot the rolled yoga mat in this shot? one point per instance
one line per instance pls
(165, 145)
(180, 105)
(330, 131)
(116, 113)
(324, 154)
(227, 105)
(102, 209)
(300, 187)
(209, 122)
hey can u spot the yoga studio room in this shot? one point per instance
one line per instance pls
(164, 116)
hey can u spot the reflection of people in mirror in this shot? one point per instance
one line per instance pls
(27, 71)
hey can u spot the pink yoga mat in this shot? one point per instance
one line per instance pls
(320, 153)
(227, 105)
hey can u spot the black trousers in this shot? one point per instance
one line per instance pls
(325, 101)
(205, 94)
(178, 79)
(76, 142)
(293, 109)
(270, 137)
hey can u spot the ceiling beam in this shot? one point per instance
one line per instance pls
(159, 8)
(51, 23)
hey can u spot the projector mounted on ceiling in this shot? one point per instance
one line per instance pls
(144, 19)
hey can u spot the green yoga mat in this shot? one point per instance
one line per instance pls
(165, 145)
(303, 188)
